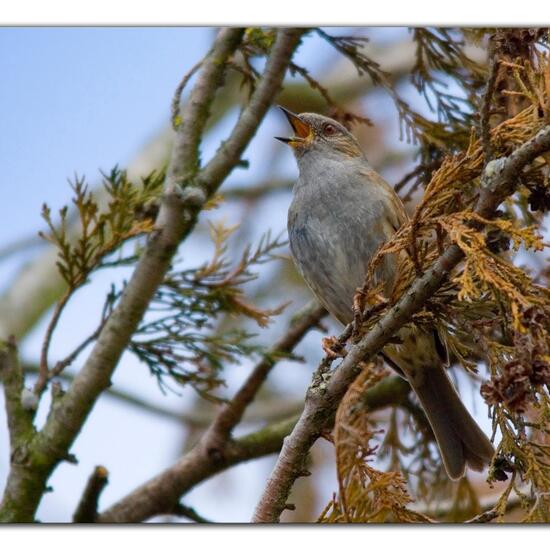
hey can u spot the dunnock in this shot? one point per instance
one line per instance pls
(341, 212)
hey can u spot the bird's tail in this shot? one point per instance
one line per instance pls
(461, 441)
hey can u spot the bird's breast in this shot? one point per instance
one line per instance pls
(332, 238)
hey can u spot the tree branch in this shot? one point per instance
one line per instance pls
(230, 151)
(187, 189)
(161, 493)
(498, 181)
(69, 412)
(86, 511)
(20, 425)
(216, 446)
(232, 412)
(190, 513)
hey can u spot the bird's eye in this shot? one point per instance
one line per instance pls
(329, 129)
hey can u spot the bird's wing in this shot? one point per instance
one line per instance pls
(396, 215)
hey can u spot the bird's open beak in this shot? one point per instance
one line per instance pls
(303, 131)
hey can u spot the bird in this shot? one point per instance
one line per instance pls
(341, 212)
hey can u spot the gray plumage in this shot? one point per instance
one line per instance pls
(341, 212)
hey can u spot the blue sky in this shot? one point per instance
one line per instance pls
(79, 99)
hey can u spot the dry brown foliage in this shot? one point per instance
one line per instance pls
(492, 311)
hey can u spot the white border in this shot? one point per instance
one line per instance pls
(289, 12)
(320, 537)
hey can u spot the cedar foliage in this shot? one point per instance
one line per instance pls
(491, 310)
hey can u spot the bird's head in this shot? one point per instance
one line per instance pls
(319, 134)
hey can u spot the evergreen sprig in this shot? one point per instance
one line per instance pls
(179, 340)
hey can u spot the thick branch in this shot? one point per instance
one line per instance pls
(230, 151)
(497, 182)
(69, 413)
(161, 494)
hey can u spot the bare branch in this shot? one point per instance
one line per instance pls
(44, 373)
(189, 513)
(86, 511)
(61, 365)
(160, 494)
(19, 418)
(187, 189)
(70, 411)
(176, 100)
(232, 412)
(497, 182)
(155, 496)
(216, 447)
(230, 151)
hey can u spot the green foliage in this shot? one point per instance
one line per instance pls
(179, 341)
(440, 54)
(102, 231)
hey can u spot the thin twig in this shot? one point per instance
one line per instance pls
(189, 513)
(232, 412)
(485, 117)
(61, 365)
(408, 177)
(44, 374)
(176, 99)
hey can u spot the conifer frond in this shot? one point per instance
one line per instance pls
(491, 310)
